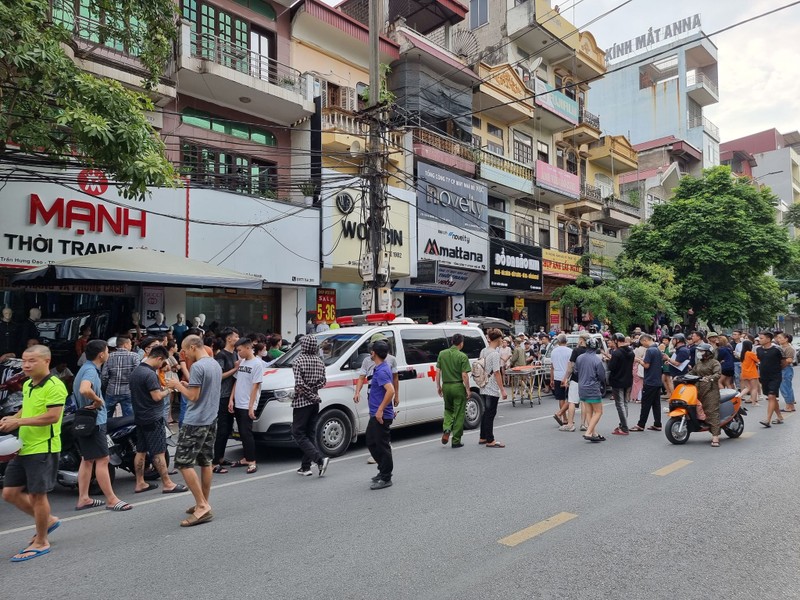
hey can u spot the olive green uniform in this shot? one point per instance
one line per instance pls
(708, 391)
(452, 363)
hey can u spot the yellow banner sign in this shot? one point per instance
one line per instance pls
(560, 264)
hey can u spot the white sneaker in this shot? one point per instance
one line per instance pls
(371, 461)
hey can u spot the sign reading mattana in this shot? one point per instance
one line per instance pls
(514, 266)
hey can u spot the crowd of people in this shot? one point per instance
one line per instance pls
(215, 380)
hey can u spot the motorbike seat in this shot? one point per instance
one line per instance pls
(119, 422)
(727, 395)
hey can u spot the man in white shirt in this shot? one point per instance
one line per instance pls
(559, 358)
(244, 397)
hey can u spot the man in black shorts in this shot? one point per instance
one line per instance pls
(147, 397)
(769, 371)
(199, 430)
(32, 474)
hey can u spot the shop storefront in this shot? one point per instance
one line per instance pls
(560, 269)
(512, 287)
(46, 222)
(344, 240)
(452, 241)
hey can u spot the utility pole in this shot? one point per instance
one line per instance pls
(375, 165)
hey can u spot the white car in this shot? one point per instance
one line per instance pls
(341, 421)
(572, 342)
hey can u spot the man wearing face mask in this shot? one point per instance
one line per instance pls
(707, 367)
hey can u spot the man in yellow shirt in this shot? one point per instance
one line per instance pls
(32, 474)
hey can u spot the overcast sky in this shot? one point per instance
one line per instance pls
(759, 73)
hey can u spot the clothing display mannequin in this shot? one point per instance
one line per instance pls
(198, 323)
(179, 328)
(29, 329)
(135, 327)
(159, 327)
(202, 318)
(9, 333)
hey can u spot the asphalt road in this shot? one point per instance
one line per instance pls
(577, 520)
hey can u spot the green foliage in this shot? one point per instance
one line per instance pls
(49, 107)
(633, 297)
(720, 236)
(385, 96)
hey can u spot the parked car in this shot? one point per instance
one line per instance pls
(341, 420)
(572, 342)
(796, 346)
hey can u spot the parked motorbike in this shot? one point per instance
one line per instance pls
(11, 404)
(683, 411)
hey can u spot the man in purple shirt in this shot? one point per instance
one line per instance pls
(381, 415)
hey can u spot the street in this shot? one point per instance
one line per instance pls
(550, 516)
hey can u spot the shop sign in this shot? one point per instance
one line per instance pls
(555, 314)
(560, 264)
(519, 303)
(557, 180)
(101, 289)
(326, 305)
(458, 307)
(345, 231)
(555, 101)
(654, 37)
(514, 266)
(153, 302)
(448, 282)
(452, 227)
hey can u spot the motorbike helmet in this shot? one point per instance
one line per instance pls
(704, 347)
(618, 337)
(9, 446)
(679, 337)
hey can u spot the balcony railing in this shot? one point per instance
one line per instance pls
(443, 143)
(623, 205)
(244, 60)
(339, 120)
(615, 148)
(699, 121)
(589, 119)
(506, 164)
(591, 192)
(699, 78)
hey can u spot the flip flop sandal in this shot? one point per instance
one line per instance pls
(93, 504)
(252, 468)
(558, 420)
(715, 444)
(120, 506)
(765, 423)
(179, 488)
(33, 554)
(190, 510)
(777, 422)
(636, 428)
(192, 520)
(496, 445)
(219, 469)
(653, 428)
(226, 463)
(150, 486)
(238, 464)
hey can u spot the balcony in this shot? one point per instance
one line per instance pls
(442, 150)
(590, 200)
(586, 131)
(502, 95)
(614, 153)
(560, 111)
(556, 186)
(539, 30)
(95, 52)
(700, 121)
(514, 178)
(617, 212)
(341, 128)
(701, 88)
(229, 75)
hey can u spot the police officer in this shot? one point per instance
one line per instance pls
(452, 381)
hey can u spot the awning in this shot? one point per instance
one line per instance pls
(140, 265)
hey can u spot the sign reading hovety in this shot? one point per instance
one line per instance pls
(452, 227)
(345, 231)
(514, 266)
(653, 37)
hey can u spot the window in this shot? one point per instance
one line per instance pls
(218, 36)
(497, 227)
(544, 233)
(525, 229)
(423, 345)
(497, 204)
(260, 7)
(478, 13)
(562, 237)
(498, 149)
(476, 122)
(572, 162)
(84, 20)
(523, 148)
(476, 141)
(494, 130)
(605, 184)
(199, 118)
(215, 168)
(363, 351)
(473, 342)
(542, 152)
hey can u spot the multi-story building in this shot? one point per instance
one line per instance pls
(659, 84)
(769, 158)
(234, 116)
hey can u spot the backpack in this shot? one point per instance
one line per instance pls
(479, 373)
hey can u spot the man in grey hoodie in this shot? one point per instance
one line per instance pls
(591, 375)
(309, 378)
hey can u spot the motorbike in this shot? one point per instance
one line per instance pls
(683, 411)
(11, 404)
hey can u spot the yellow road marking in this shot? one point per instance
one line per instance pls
(678, 464)
(536, 529)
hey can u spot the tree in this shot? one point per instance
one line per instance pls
(52, 109)
(633, 296)
(720, 237)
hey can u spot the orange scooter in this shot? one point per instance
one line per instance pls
(683, 411)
